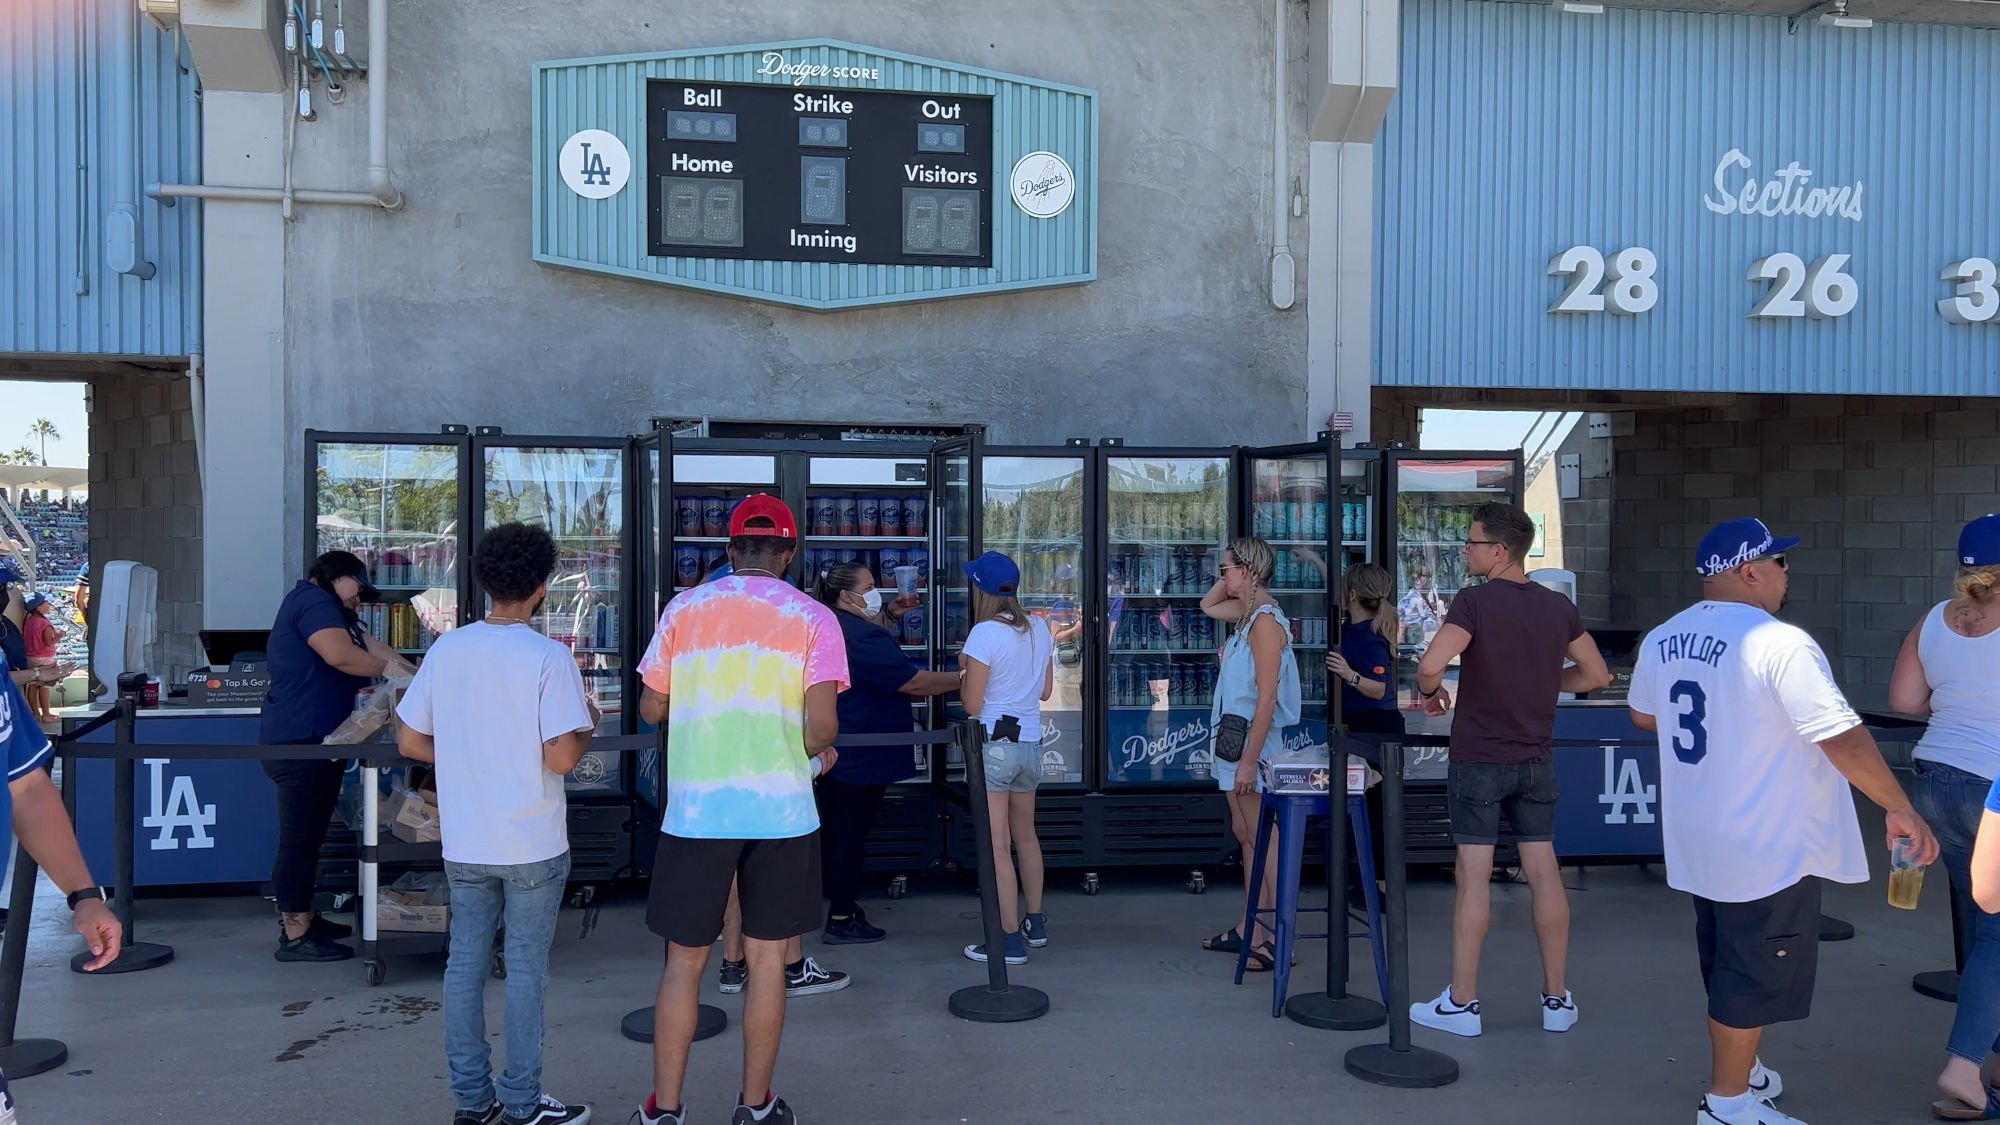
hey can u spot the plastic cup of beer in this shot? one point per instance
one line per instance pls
(906, 581)
(1906, 875)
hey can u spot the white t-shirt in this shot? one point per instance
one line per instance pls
(491, 695)
(1019, 664)
(1749, 804)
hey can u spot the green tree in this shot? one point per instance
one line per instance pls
(44, 429)
(22, 455)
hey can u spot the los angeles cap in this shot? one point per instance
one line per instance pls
(1979, 543)
(763, 506)
(1732, 543)
(994, 573)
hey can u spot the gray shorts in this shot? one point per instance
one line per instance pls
(1012, 767)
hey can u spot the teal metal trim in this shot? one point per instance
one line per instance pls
(608, 236)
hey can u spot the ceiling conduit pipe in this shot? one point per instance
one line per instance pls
(381, 191)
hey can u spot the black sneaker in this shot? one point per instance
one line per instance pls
(549, 1111)
(310, 946)
(331, 931)
(807, 978)
(851, 931)
(488, 1116)
(658, 1117)
(734, 973)
(777, 1113)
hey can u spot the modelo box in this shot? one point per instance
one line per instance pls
(242, 684)
(1308, 774)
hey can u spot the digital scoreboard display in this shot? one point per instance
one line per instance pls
(794, 174)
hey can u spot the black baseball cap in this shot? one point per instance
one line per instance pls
(345, 564)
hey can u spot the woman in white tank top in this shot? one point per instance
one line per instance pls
(1949, 669)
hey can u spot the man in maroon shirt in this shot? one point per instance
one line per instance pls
(1511, 639)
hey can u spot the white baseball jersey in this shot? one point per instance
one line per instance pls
(1749, 804)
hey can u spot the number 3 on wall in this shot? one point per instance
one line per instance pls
(1978, 300)
(1692, 721)
(1632, 289)
(1828, 291)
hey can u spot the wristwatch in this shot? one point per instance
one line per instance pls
(76, 898)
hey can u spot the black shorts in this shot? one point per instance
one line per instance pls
(777, 886)
(1759, 959)
(1481, 791)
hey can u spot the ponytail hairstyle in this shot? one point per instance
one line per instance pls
(1979, 584)
(1371, 586)
(835, 580)
(1255, 556)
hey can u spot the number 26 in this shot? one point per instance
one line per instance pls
(1691, 721)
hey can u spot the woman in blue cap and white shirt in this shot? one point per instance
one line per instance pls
(1256, 698)
(1949, 669)
(1009, 670)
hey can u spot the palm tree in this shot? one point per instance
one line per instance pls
(23, 456)
(44, 429)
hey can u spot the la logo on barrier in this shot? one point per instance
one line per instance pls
(1623, 788)
(175, 809)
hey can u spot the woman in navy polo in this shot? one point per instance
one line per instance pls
(884, 681)
(319, 658)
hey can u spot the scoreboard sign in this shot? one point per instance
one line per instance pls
(780, 173)
(817, 174)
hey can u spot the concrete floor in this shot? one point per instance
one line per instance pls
(1144, 1025)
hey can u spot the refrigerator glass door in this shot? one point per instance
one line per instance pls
(396, 507)
(1166, 518)
(1034, 514)
(578, 495)
(1290, 509)
(1435, 500)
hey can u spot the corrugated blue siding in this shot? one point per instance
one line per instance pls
(609, 235)
(1520, 131)
(65, 66)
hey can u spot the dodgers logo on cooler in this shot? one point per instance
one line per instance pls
(595, 164)
(1043, 184)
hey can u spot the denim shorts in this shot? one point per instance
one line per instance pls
(1012, 767)
(1481, 791)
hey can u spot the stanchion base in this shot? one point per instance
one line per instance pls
(1331, 1013)
(1414, 1069)
(1833, 929)
(24, 1057)
(709, 1022)
(981, 1004)
(134, 958)
(1939, 985)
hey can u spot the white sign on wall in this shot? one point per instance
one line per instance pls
(595, 164)
(1043, 184)
(1787, 192)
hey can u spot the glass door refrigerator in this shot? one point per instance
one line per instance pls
(397, 502)
(1166, 516)
(574, 488)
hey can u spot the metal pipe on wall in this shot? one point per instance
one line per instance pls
(123, 248)
(1284, 275)
(382, 188)
(197, 398)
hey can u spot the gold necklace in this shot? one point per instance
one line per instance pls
(497, 619)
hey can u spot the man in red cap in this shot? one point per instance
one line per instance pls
(745, 671)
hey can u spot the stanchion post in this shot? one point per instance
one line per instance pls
(135, 956)
(709, 1021)
(1942, 984)
(20, 1058)
(998, 1002)
(1334, 1009)
(1397, 1063)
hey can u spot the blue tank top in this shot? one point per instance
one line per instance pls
(1236, 683)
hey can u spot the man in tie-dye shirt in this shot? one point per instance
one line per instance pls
(745, 672)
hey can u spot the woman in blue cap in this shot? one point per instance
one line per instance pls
(1949, 669)
(1009, 670)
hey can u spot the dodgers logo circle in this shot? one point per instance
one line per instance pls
(595, 164)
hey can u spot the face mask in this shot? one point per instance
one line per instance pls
(872, 602)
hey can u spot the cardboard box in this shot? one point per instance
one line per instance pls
(407, 912)
(243, 684)
(417, 820)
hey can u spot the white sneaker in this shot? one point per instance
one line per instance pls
(1442, 1014)
(1760, 1111)
(1559, 1013)
(1765, 1083)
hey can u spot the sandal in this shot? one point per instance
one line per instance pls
(1951, 1109)
(1261, 959)
(1229, 941)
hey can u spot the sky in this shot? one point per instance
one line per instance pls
(1456, 429)
(61, 403)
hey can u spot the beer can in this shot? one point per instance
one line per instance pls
(886, 562)
(687, 566)
(915, 509)
(715, 516)
(826, 516)
(849, 522)
(891, 514)
(870, 519)
(688, 515)
(913, 627)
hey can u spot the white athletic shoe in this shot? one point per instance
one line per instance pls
(1559, 1012)
(1443, 1014)
(1760, 1111)
(1765, 1083)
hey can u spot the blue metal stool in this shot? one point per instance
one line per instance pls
(1291, 814)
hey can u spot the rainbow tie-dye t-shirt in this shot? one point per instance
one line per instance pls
(734, 658)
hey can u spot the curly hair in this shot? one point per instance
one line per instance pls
(512, 560)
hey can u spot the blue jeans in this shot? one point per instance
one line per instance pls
(1953, 800)
(525, 897)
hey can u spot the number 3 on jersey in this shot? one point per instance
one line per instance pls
(1691, 721)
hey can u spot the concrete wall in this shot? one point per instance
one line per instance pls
(146, 502)
(1879, 488)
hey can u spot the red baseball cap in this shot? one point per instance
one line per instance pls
(763, 506)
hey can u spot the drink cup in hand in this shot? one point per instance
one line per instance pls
(1906, 875)
(906, 581)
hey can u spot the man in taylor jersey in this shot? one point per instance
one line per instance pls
(1757, 750)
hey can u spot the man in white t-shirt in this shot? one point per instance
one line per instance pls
(502, 712)
(1757, 750)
